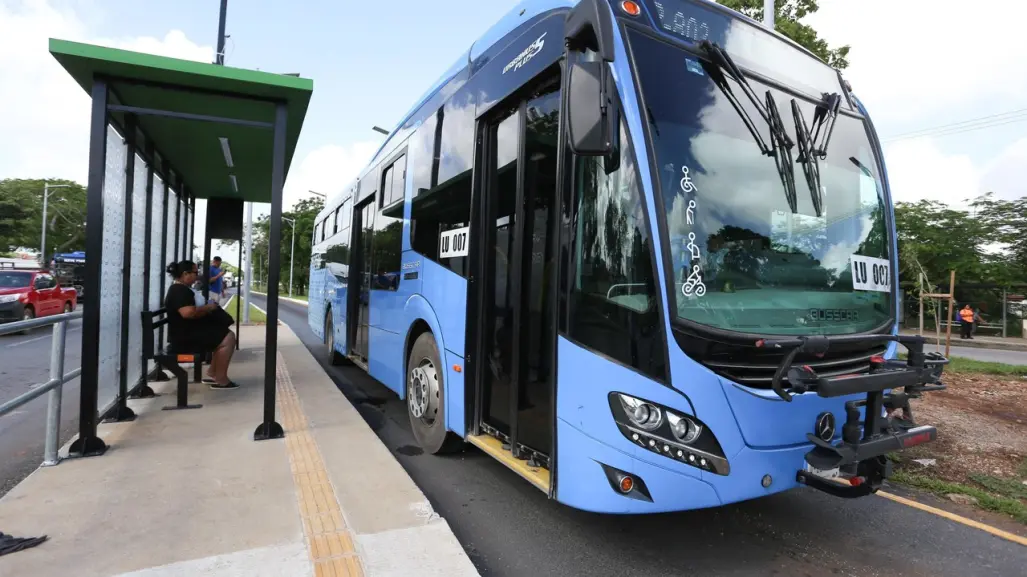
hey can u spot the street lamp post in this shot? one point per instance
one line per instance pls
(292, 251)
(322, 195)
(42, 243)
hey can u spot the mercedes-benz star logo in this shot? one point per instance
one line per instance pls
(824, 426)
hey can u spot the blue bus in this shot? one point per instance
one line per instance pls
(641, 252)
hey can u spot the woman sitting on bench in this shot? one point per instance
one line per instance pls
(198, 329)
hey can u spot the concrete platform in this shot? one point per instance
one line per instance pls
(189, 493)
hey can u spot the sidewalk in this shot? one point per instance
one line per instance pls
(189, 493)
(978, 342)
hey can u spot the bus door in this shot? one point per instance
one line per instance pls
(360, 278)
(517, 333)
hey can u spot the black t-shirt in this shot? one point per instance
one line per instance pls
(179, 328)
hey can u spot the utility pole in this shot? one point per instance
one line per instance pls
(42, 242)
(768, 13)
(219, 58)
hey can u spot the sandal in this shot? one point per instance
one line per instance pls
(228, 385)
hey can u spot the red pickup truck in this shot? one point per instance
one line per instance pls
(26, 294)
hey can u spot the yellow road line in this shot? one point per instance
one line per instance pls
(957, 518)
(330, 542)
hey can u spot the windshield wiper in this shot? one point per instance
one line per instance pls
(781, 145)
(813, 145)
(808, 158)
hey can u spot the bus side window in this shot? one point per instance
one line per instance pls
(440, 201)
(613, 289)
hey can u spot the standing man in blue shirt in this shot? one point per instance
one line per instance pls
(216, 280)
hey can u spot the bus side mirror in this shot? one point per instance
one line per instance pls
(590, 91)
(587, 122)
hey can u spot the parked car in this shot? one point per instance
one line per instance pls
(26, 294)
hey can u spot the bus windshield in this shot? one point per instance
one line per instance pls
(749, 255)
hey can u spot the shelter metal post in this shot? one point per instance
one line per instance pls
(88, 444)
(143, 390)
(238, 296)
(269, 428)
(165, 169)
(121, 411)
(192, 224)
(248, 272)
(198, 367)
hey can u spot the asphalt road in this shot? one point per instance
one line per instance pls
(510, 528)
(25, 361)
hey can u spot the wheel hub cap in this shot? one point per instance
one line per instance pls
(423, 391)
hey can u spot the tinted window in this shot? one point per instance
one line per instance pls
(387, 244)
(335, 221)
(336, 256)
(612, 304)
(445, 204)
(422, 153)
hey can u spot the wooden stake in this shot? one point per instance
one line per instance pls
(952, 301)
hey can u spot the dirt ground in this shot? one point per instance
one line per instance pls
(982, 428)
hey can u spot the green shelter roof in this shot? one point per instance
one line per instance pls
(193, 147)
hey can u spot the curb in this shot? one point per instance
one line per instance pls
(280, 297)
(399, 517)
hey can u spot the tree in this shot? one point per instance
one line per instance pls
(21, 214)
(304, 213)
(787, 21)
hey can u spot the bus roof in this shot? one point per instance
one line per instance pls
(522, 12)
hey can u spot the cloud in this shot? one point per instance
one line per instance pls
(52, 118)
(328, 170)
(919, 170)
(914, 66)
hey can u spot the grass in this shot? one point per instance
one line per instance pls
(985, 500)
(282, 293)
(256, 317)
(961, 365)
(965, 366)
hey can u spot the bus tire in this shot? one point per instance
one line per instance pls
(426, 396)
(335, 358)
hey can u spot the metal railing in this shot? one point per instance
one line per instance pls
(54, 386)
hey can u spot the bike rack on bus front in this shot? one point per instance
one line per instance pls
(861, 456)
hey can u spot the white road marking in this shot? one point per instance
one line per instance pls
(34, 339)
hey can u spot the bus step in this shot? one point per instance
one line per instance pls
(500, 451)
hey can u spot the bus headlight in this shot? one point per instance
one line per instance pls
(643, 415)
(684, 429)
(669, 433)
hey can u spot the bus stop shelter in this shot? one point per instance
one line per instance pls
(164, 132)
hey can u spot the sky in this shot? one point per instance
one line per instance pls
(916, 65)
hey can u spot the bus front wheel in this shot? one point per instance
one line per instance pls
(426, 397)
(334, 357)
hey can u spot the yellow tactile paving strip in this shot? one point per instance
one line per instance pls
(330, 542)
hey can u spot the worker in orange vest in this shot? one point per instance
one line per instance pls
(966, 314)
